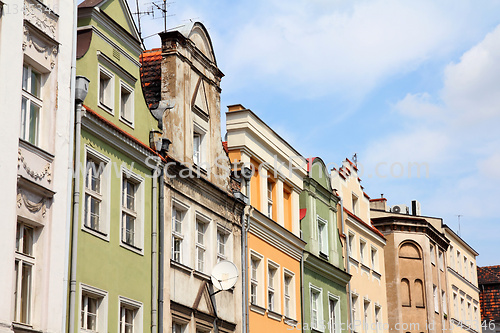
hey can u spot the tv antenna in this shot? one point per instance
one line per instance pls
(158, 5)
(459, 216)
(162, 6)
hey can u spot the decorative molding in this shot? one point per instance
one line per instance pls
(30, 205)
(41, 17)
(50, 51)
(36, 175)
(122, 72)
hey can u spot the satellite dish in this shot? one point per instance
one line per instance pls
(224, 275)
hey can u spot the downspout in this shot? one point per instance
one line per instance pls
(302, 291)
(161, 245)
(67, 244)
(154, 256)
(347, 263)
(245, 227)
(76, 210)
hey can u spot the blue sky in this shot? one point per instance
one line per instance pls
(394, 81)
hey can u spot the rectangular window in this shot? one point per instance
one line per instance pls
(366, 314)
(351, 244)
(221, 245)
(200, 245)
(271, 275)
(89, 309)
(323, 235)
(472, 273)
(333, 320)
(377, 318)
(93, 309)
(254, 281)
(129, 212)
(451, 262)
(362, 246)
(433, 256)
(443, 301)
(270, 187)
(178, 215)
(459, 263)
(355, 208)
(436, 298)
(455, 305)
(127, 104)
(466, 268)
(315, 308)
(31, 104)
(462, 309)
(94, 194)
(23, 267)
(287, 295)
(197, 148)
(374, 259)
(178, 328)
(440, 260)
(106, 91)
(354, 310)
(130, 320)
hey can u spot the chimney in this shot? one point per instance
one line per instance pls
(415, 208)
(235, 107)
(379, 204)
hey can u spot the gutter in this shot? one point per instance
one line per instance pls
(71, 176)
(154, 256)
(245, 227)
(161, 254)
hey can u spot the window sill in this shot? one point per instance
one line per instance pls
(106, 108)
(201, 275)
(19, 327)
(316, 330)
(132, 248)
(354, 260)
(323, 255)
(274, 315)
(127, 122)
(256, 308)
(183, 267)
(96, 233)
(290, 322)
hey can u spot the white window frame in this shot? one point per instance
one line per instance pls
(223, 240)
(355, 204)
(432, 254)
(289, 294)
(436, 298)
(362, 251)
(200, 156)
(31, 98)
(351, 244)
(138, 214)
(103, 196)
(179, 236)
(354, 310)
(127, 115)
(22, 259)
(273, 287)
(204, 247)
(444, 303)
(314, 290)
(270, 203)
(124, 304)
(374, 258)
(366, 312)
(322, 225)
(108, 104)
(334, 326)
(466, 268)
(455, 305)
(441, 260)
(256, 280)
(178, 327)
(102, 307)
(377, 316)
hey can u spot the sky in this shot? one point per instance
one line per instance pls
(402, 84)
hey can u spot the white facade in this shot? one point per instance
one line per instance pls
(36, 108)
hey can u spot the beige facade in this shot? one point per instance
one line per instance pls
(425, 292)
(365, 254)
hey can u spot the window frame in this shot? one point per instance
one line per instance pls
(288, 297)
(323, 244)
(362, 249)
(273, 287)
(31, 98)
(256, 281)
(104, 196)
(314, 290)
(202, 160)
(201, 219)
(138, 214)
(24, 259)
(130, 104)
(179, 236)
(125, 303)
(101, 310)
(336, 327)
(226, 234)
(109, 90)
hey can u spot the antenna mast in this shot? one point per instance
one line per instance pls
(459, 216)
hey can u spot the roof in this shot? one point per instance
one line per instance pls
(151, 76)
(369, 226)
(224, 145)
(90, 3)
(488, 274)
(310, 161)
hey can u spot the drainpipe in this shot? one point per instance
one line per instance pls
(347, 263)
(70, 165)
(161, 250)
(245, 227)
(302, 291)
(154, 256)
(81, 89)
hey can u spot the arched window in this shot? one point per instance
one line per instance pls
(409, 251)
(418, 292)
(405, 293)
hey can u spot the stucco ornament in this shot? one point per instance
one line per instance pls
(35, 175)
(33, 207)
(47, 50)
(40, 17)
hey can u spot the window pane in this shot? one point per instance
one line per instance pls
(24, 116)
(28, 240)
(92, 206)
(35, 83)
(129, 229)
(26, 74)
(26, 294)
(16, 270)
(92, 314)
(34, 120)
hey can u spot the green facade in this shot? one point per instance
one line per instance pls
(324, 279)
(114, 260)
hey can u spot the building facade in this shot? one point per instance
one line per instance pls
(489, 285)
(202, 216)
(274, 249)
(365, 254)
(324, 277)
(112, 282)
(36, 99)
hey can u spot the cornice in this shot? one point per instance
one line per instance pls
(275, 235)
(325, 268)
(361, 226)
(105, 60)
(461, 278)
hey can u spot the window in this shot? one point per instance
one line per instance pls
(472, 273)
(271, 287)
(443, 301)
(351, 244)
(129, 212)
(96, 193)
(466, 269)
(333, 314)
(468, 319)
(462, 309)
(440, 260)
(23, 267)
(287, 294)
(459, 264)
(106, 91)
(451, 262)
(374, 259)
(221, 245)
(354, 310)
(270, 187)
(455, 305)
(475, 323)
(93, 309)
(130, 319)
(323, 235)
(436, 298)
(362, 246)
(377, 318)
(366, 308)
(178, 216)
(126, 103)
(178, 328)
(432, 255)
(89, 313)
(199, 150)
(355, 208)
(196, 148)
(256, 279)
(31, 105)
(201, 228)
(316, 308)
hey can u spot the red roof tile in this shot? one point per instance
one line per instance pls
(489, 296)
(151, 76)
(369, 226)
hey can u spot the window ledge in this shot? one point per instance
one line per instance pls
(127, 122)
(377, 275)
(290, 321)
(201, 275)
(274, 315)
(132, 248)
(365, 267)
(323, 255)
(96, 233)
(182, 267)
(316, 330)
(19, 327)
(106, 108)
(353, 260)
(258, 309)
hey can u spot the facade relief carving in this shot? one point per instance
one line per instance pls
(32, 206)
(49, 52)
(41, 17)
(36, 175)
